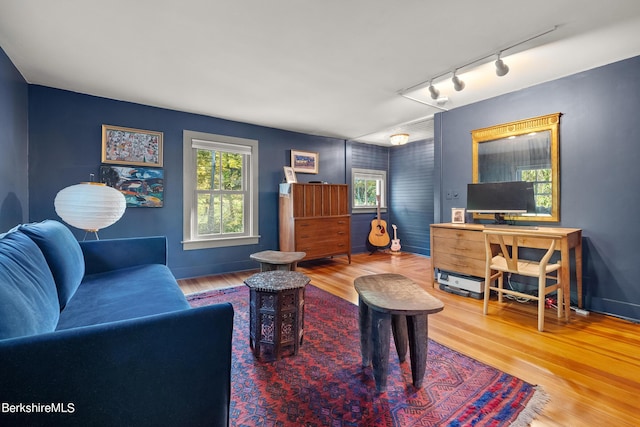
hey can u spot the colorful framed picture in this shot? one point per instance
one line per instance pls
(290, 175)
(304, 161)
(457, 215)
(131, 146)
(142, 187)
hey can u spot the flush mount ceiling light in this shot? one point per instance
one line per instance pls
(501, 68)
(399, 138)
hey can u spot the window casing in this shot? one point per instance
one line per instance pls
(220, 200)
(366, 184)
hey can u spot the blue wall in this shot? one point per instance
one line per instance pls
(366, 156)
(14, 144)
(65, 147)
(412, 194)
(599, 169)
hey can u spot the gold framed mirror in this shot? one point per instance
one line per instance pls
(524, 150)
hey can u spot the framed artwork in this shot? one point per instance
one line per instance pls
(131, 146)
(142, 187)
(457, 215)
(304, 161)
(290, 175)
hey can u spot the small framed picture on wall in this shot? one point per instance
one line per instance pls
(304, 161)
(457, 215)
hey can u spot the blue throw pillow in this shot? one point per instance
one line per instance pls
(63, 254)
(28, 298)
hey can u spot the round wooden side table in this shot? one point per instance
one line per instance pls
(277, 260)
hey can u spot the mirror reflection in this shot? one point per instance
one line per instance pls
(526, 150)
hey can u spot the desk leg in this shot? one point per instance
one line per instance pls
(381, 330)
(364, 321)
(578, 255)
(418, 342)
(565, 278)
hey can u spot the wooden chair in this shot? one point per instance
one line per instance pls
(508, 260)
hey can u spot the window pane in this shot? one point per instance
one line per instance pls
(208, 214)
(371, 188)
(359, 193)
(232, 171)
(233, 213)
(207, 170)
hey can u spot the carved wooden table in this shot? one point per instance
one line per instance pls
(276, 313)
(277, 260)
(389, 301)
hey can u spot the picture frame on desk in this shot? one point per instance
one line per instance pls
(457, 216)
(290, 175)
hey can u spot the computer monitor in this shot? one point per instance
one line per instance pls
(501, 198)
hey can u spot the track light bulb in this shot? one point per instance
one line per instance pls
(458, 84)
(435, 93)
(501, 68)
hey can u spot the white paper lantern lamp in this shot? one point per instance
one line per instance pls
(90, 206)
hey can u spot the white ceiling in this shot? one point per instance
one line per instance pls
(333, 68)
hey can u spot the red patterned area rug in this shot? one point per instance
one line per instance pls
(325, 384)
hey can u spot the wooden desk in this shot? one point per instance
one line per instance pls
(459, 248)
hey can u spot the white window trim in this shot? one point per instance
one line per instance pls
(189, 138)
(374, 173)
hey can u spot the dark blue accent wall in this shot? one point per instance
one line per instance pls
(14, 145)
(599, 169)
(65, 147)
(412, 194)
(366, 156)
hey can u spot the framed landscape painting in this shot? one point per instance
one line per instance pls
(131, 146)
(142, 187)
(304, 161)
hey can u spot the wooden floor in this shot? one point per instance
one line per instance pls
(590, 367)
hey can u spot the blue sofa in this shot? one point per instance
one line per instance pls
(98, 333)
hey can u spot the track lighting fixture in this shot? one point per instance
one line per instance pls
(501, 68)
(435, 93)
(458, 84)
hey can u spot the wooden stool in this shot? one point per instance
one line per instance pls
(392, 300)
(276, 260)
(276, 313)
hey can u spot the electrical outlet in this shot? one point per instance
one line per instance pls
(448, 195)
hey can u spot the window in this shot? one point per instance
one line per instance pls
(541, 178)
(220, 199)
(366, 184)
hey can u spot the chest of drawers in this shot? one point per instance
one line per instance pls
(314, 218)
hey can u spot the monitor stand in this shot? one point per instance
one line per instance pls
(499, 219)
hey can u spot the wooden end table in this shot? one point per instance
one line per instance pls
(276, 313)
(392, 301)
(277, 260)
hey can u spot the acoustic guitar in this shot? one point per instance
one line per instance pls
(378, 236)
